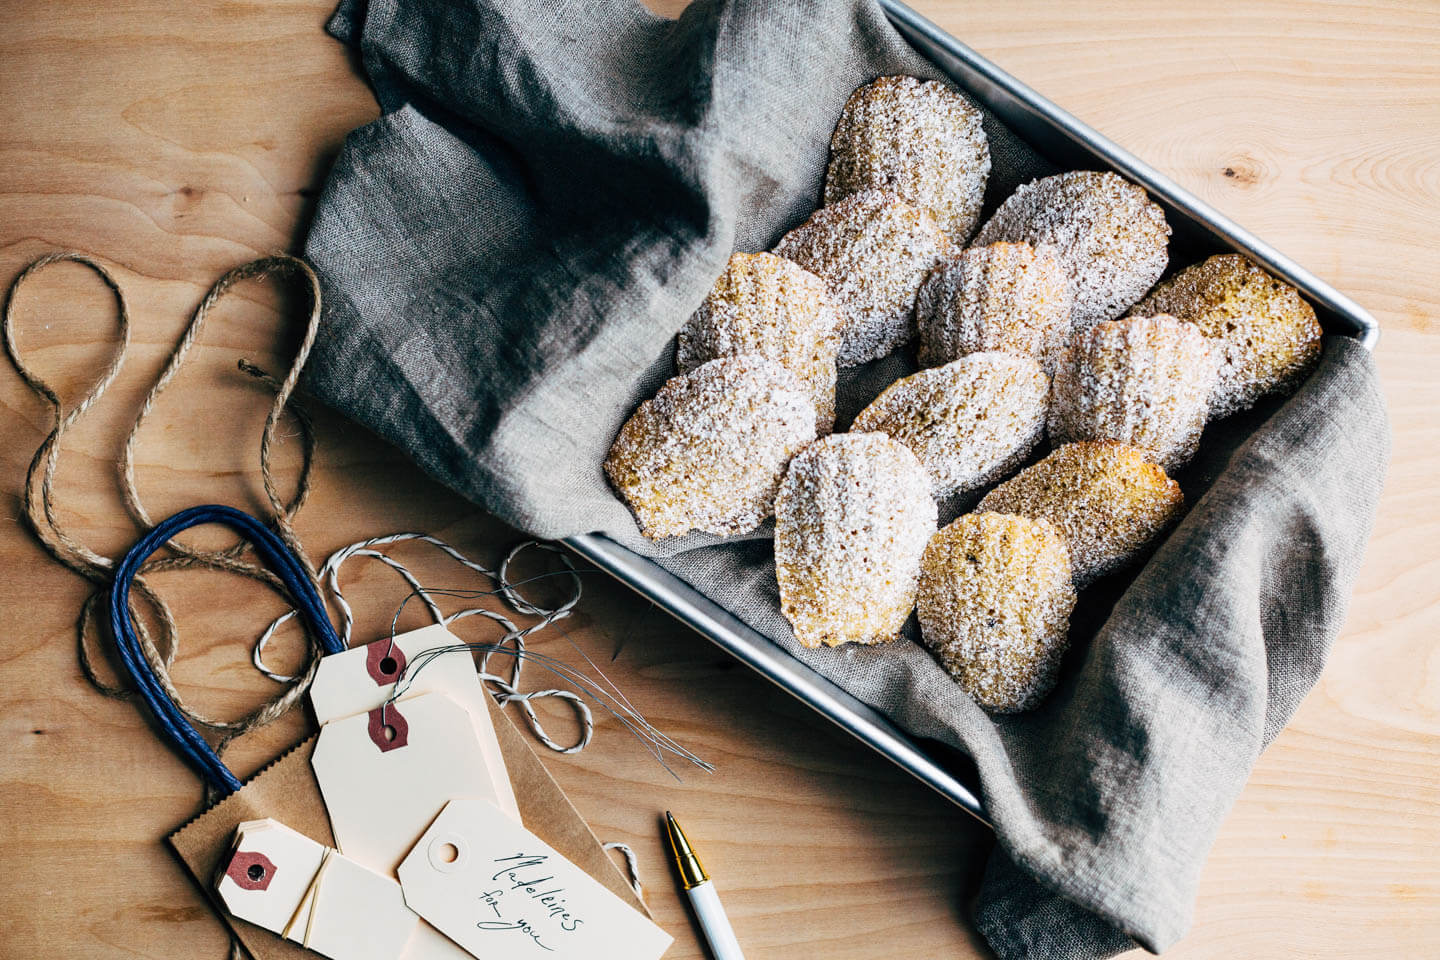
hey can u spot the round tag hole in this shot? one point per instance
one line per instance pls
(447, 853)
(388, 666)
(255, 872)
(388, 732)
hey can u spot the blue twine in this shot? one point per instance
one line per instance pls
(273, 552)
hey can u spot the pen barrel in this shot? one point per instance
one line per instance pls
(714, 922)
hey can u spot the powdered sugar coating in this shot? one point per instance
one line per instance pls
(1264, 334)
(851, 521)
(708, 451)
(994, 606)
(919, 139)
(1104, 230)
(1145, 382)
(1107, 499)
(1002, 296)
(969, 422)
(873, 250)
(766, 305)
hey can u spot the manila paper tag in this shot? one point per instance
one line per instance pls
(385, 779)
(362, 678)
(502, 893)
(287, 883)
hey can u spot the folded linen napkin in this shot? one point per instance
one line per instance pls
(550, 192)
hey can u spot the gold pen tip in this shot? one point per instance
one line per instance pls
(692, 871)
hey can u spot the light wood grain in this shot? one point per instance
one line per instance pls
(178, 140)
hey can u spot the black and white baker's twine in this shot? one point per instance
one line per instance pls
(506, 690)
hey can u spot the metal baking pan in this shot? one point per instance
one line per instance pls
(1070, 144)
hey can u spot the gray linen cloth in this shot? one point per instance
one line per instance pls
(506, 255)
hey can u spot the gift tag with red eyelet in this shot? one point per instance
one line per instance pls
(291, 885)
(386, 773)
(362, 678)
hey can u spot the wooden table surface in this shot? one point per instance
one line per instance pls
(177, 140)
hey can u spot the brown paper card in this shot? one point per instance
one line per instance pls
(286, 791)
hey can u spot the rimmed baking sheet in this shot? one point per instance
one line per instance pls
(1070, 144)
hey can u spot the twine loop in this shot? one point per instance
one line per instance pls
(38, 507)
(632, 865)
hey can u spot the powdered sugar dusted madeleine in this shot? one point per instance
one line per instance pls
(969, 422)
(1104, 230)
(708, 451)
(1002, 296)
(1264, 334)
(873, 250)
(919, 139)
(1145, 382)
(994, 607)
(767, 305)
(1107, 499)
(851, 521)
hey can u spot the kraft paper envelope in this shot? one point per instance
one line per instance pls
(286, 791)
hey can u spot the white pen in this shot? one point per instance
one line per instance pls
(713, 922)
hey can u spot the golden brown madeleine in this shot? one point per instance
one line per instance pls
(851, 521)
(1104, 230)
(873, 250)
(1145, 382)
(969, 422)
(1003, 296)
(1107, 499)
(708, 451)
(766, 305)
(994, 606)
(1264, 334)
(919, 139)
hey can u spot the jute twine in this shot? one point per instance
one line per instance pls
(38, 507)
